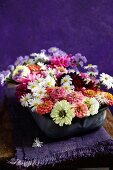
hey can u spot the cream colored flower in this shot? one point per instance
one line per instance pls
(93, 105)
(62, 113)
(21, 71)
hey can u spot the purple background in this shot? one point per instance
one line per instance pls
(84, 26)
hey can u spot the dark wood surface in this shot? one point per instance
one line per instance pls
(7, 149)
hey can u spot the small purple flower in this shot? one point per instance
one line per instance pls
(77, 60)
(19, 61)
(25, 59)
(6, 73)
(43, 51)
(60, 53)
(79, 57)
(53, 50)
(2, 79)
(11, 67)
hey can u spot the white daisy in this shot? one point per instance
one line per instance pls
(25, 100)
(40, 56)
(90, 66)
(34, 103)
(66, 79)
(39, 81)
(68, 87)
(101, 99)
(50, 81)
(92, 104)
(51, 71)
(41, 91)
(106, 80)
(32, 86)
(42, 65)
(37, 143)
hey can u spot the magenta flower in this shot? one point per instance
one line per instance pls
(61, 61)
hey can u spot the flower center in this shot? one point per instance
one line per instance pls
(106, 78)
(62, 113)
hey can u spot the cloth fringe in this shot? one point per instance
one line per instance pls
(105, 147)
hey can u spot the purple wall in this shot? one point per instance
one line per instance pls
(84, 26)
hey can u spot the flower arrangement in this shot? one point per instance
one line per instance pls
(56, 84)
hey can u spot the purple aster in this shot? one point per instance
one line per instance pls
(11, 67)
(2, 79)
(19, 61)
(43, 51)
(25, 59)
(6, 73)
(60, 53)
(53, 50)
(77, 60)
(79, 57)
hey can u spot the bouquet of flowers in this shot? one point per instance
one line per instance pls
(56, 84)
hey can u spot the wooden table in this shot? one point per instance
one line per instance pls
(7, 149)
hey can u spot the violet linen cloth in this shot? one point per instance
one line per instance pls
(53, 151)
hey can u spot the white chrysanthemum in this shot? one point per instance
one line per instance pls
(68, 87)
(25, 100)
(39, 81)
(32, 86)
(41, 91)
(50, 81)
(51, 71)
(66, 79)
(34, 103)
(42, 65)
(106, 80)
(101, 98)
(40, 56)
(21, 70)
(92, 104)
(62, 113)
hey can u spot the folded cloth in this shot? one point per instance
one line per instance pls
(52, 151)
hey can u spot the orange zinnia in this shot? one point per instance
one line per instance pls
(45, 107)
(109, 97)
(89, 93)
(34, 68)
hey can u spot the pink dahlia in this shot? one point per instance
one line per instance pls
(81, 110)
(61, 61)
